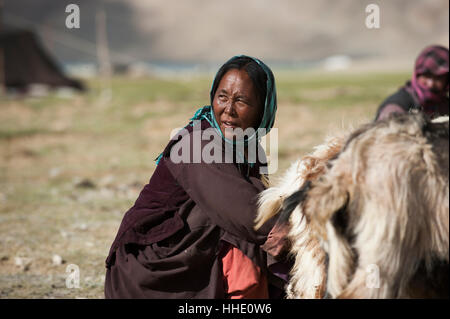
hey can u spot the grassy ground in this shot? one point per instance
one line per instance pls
(70, 167)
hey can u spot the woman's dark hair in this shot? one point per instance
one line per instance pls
(254, 71)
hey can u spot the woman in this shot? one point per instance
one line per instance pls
(428, 89)
(190, 233)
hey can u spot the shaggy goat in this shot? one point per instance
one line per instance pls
(376, 201)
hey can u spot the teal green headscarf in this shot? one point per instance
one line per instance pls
(270, 107)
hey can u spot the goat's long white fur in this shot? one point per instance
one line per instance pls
(396, 184)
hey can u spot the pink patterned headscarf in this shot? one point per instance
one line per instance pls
(432, 60)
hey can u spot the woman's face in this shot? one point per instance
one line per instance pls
(433, 82)
(236, 103)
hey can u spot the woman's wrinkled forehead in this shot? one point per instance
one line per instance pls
(236, 78)
(242, 63)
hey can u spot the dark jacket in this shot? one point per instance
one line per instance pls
(408, 102)
(168, 244)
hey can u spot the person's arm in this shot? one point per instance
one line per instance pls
(224, 195)
(389, 109)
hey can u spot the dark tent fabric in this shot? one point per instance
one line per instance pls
(26, 62)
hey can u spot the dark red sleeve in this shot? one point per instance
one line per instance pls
(223, 194)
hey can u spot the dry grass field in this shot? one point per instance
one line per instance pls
(71, 166)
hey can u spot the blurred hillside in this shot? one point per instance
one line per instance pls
(208, 31)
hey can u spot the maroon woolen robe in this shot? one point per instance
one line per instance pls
(169, 243)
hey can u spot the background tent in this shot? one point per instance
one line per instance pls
(26, 62)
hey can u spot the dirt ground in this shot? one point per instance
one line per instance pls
(72, 164)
